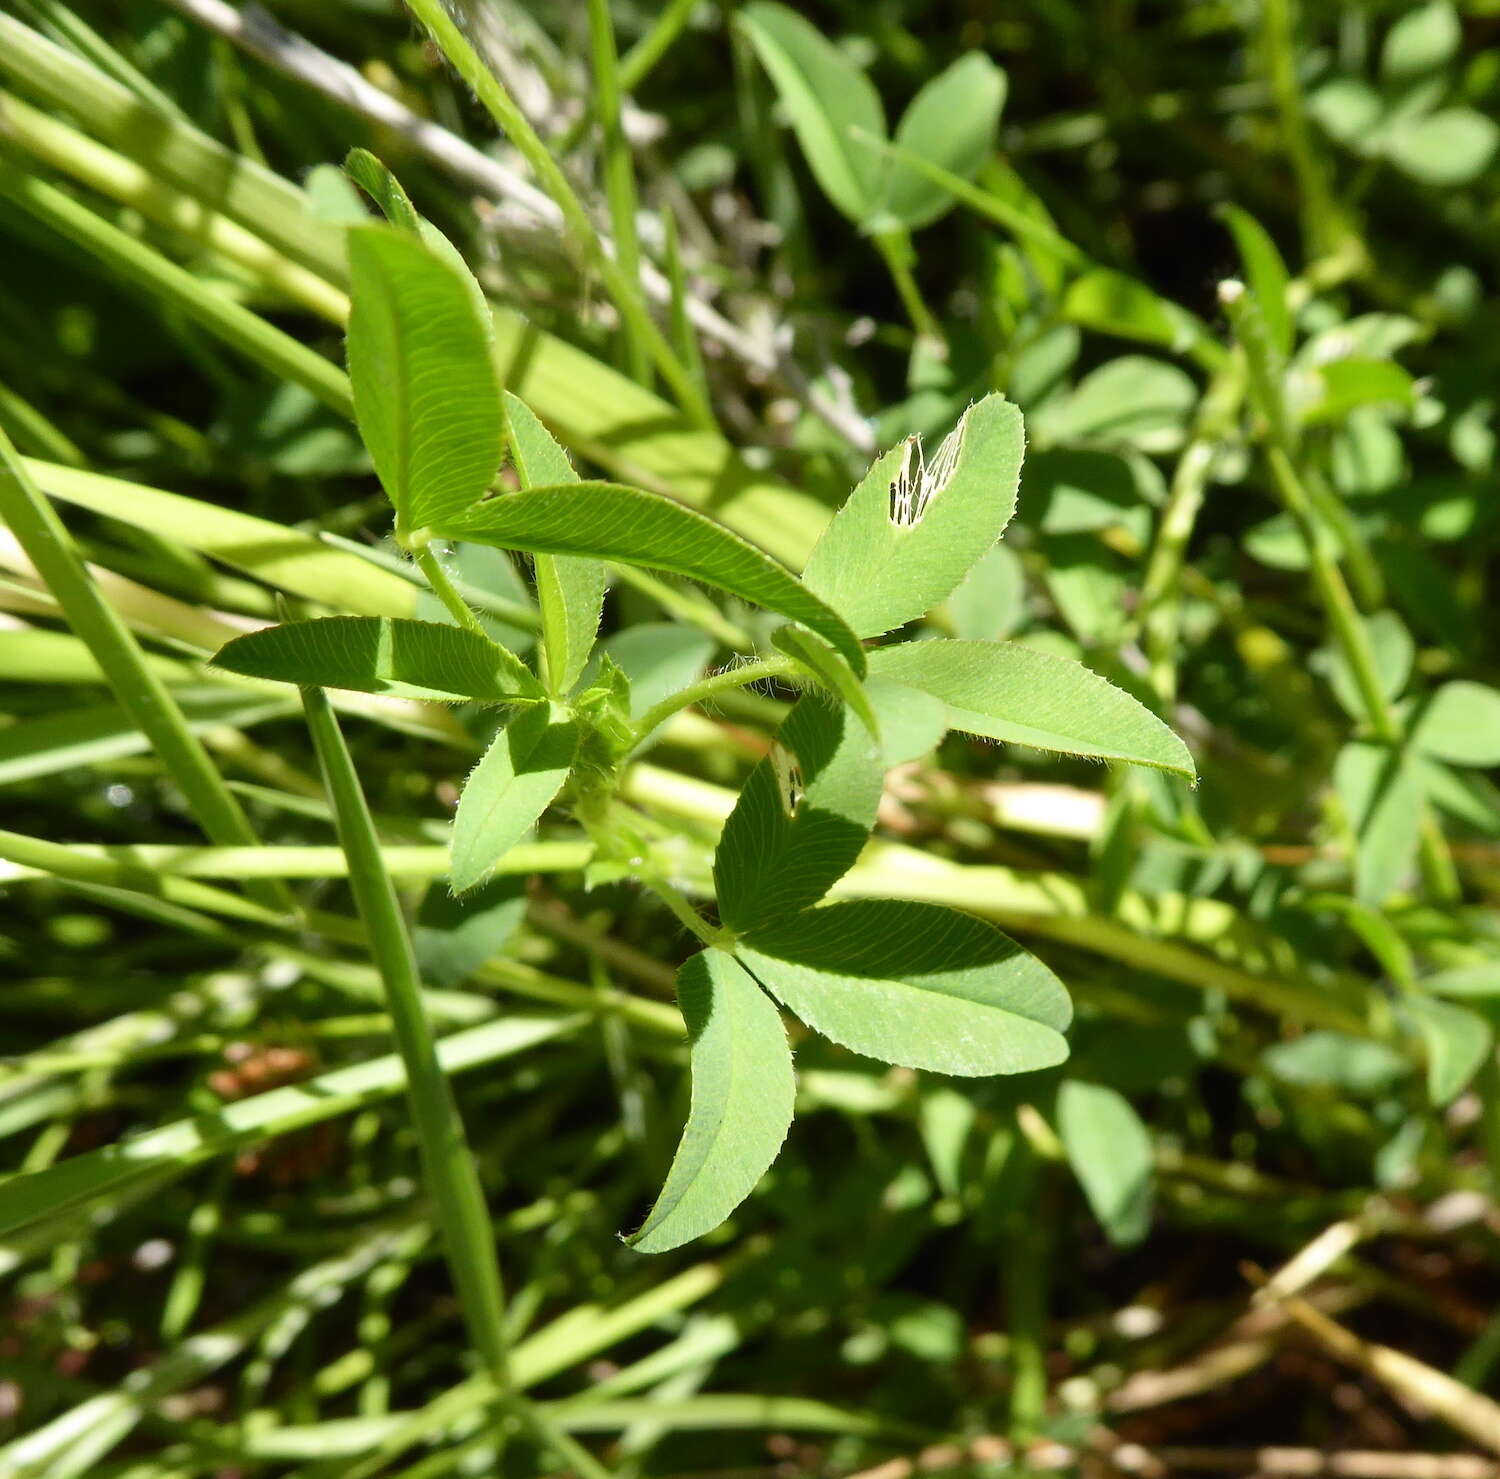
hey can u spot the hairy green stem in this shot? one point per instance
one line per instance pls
(711, 687)
(454, 603)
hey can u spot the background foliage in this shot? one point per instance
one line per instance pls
(1234, 263)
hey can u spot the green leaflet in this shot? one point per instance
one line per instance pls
(658, 658)
(826, 97)
(422, 364)
(611, 522)
(821, 663)
(1266, 274)
(1110, 1152)
(1013, 693)
(1458, 1042)
(1382, 794)
(570, 589)
(950, 123)
(914, 984)
(912, 530)
(1460, 724)
(408, 659)
(802, 817)
(513, 784)
(741, 1104)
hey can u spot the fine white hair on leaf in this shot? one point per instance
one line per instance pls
(919, 481)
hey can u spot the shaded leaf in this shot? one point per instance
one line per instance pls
(569, 589)
(1382, 795)
(384, 654)
(1458, 1041)
(802, 817)
(513, 784)
(1110, 1152)
(914, 984)
(742, 1098)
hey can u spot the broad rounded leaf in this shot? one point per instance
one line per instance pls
(915, 526)
(951, 123)
(1110, 1152)
(914, 984)
(513, 784)
(612, 522)
(743, 1091)
(1024, 697)
(1461, 725)
(1450, 147)
(421, 361)
(382, 654)
(1423, 40)
(826, 97)
(570, 590)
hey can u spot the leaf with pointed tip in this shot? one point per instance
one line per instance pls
(1110, 1152)
(788, 841)
(915, 984)
(382, 654)
(826, 97)
(421, 361)
(1024, 697)
(879, 567)
(1266, 273)
(570, 590)
(743, 1090)
(513, 784)
(610, 522)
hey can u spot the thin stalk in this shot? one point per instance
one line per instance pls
(124, 256)
(1321, 226)
(137, 684)
(1438, 874)
(710, 688)
(619, 173)
(680, 318)
(458, 608)
(446, 1159)
(895, 250)
(1024, 1279)
(625, 294)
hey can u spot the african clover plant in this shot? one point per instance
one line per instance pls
(911, 983)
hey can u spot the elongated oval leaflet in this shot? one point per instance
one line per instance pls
(743, 1090)
(914, 527)
(570, 590)
(610, 522)
(422, 365)
(915, 984)
(1013, 693)
(517, 779)
(1111, 1154)
(408, 659)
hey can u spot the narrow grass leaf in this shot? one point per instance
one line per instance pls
(916, 525)
(1110, 1152)
(426, 390)
(1012, 693)
(914, 984)
(1266, 274)
(569, 588)
(611, 522)
(406, 659)
(518, 778)
(741, 1101)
